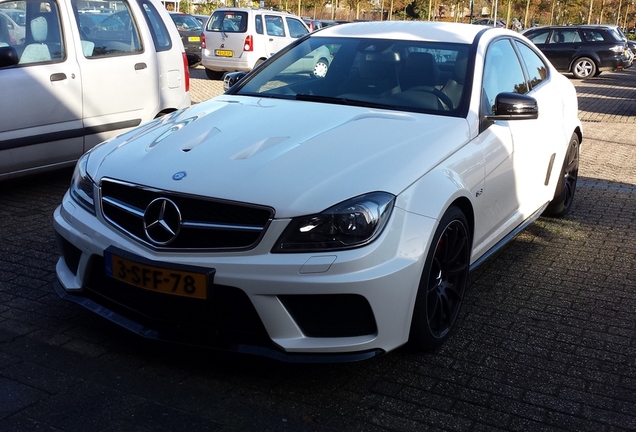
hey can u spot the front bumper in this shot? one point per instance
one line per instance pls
(334, 307)
(192, 335)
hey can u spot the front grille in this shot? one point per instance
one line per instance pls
(205, 223)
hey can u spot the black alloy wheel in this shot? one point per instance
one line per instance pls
(443, 282)
(564, 192)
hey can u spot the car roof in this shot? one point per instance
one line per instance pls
(578, 26)
(410, 30)
(237, 9)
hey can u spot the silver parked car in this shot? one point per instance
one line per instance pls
(76, 78)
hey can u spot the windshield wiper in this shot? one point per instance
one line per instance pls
(341, 101)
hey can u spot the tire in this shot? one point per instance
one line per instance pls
(320, 68)
(566, 186)
(443, 283)
(583, 67)
(213, 75)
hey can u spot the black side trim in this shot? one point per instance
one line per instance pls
(511, 235)
(67, 134)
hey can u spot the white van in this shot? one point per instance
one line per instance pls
(80, 76)
(236, 39)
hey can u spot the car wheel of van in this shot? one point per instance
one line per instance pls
(443, 282)
(583, 68)
(213, 75)
(566, 186)
(321, 67)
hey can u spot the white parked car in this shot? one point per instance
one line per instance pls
(239, 39)
(342, 222)
(73, 79)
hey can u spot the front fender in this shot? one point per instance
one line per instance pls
(435, 192)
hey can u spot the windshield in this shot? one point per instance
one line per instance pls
(186, 22)
(392, 74)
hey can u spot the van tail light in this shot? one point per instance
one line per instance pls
(186, 72)
(249, 44)
(203, 41)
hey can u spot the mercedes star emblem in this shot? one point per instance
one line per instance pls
(162, 221)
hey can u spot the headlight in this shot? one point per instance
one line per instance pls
(619, 49)
(82, 186)
(350, 224)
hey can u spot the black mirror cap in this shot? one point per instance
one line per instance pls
(514, 106)
(231, 78)
(8, 56)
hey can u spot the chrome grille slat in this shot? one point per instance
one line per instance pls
(206, 224)
(122, 205)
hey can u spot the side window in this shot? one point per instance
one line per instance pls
(30, 32)
(259, 24)
(557, 37)
(112, 32)
(571, 36)
(274, 25)
(539, 37)
(502, 73)
(296, 28)
(593, 36)
(158, 29)
(565, 36)
(12, 23)
(537, 69)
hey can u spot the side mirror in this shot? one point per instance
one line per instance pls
(8, 56)
(231, 78)
(514, 106)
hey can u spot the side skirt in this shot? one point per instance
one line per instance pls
(507, 239)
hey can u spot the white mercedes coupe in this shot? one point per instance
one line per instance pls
(324, 217)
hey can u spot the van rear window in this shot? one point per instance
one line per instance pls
(228, 21)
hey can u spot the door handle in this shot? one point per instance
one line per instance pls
(140, 66)
(58, 77)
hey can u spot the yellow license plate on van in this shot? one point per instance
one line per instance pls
(194, 38)
(223, 53)
(161, 278)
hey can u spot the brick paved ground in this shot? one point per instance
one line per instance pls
(546, 340)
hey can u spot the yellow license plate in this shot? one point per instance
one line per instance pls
(194, 38)
(223, 53)
(166, 279)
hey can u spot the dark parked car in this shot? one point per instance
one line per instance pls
(190, 30)
(490, 22)
(203, 19)
(584, 50)
(314, 24)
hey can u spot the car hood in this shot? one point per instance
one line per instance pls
(295, 156)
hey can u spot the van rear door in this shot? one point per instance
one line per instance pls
(41, 102)
(119, 71)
